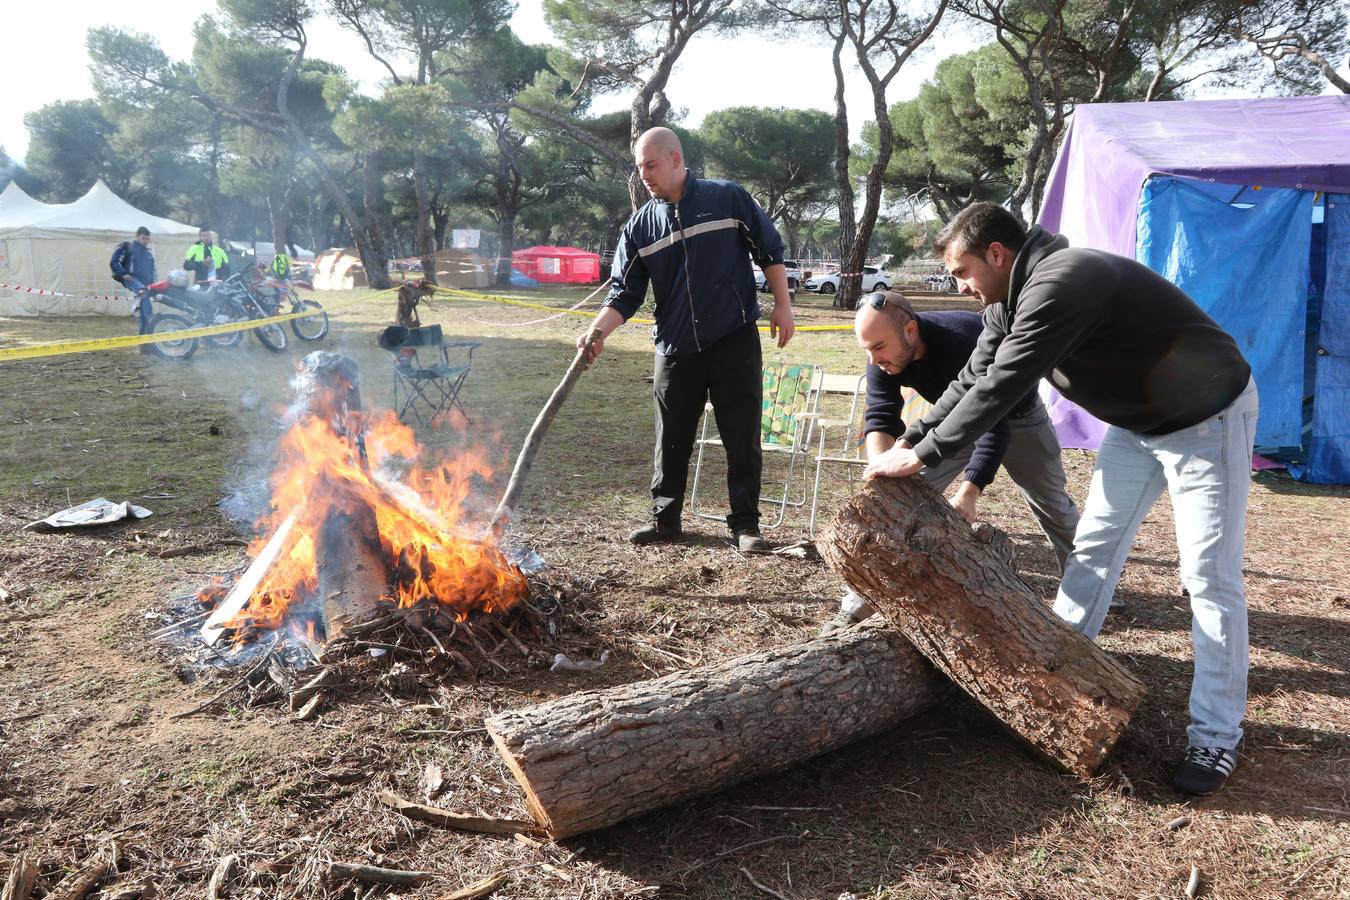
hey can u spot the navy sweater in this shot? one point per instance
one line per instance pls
(695, 255)
(949, 338)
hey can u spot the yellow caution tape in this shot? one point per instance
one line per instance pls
(61, 348)
(495, 298)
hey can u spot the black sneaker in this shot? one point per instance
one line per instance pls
(657, 532)
(1204, 770)
(749, 540)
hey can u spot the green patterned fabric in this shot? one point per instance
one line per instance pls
(787, 389)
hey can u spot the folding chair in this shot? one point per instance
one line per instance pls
(426, 384)
(786, 413)
(841, 442)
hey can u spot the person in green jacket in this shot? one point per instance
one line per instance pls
(206, 259)
(281, 265)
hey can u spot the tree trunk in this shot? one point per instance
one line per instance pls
(899, 543)
(598, 757)
(370, 198)
(425, 247)
(849, 287)
(506, 246)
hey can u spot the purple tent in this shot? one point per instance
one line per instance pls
(1105, 192)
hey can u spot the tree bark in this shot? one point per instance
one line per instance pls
(598, 757)
(370, 198)
(425, 247)
(901, 545)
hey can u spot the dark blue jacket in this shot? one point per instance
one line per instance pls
(696, 257)
(140, 265)
(949, 338)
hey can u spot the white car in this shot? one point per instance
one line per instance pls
(794, 275)
(873, 279)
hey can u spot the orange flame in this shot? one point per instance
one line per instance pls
(419, 513)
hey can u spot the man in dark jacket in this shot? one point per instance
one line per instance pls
(133, 264)
(692, 243)
(1132, 349)
(926, 352)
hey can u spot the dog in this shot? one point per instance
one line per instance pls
(410, 293)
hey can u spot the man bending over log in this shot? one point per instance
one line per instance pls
(1133, 350)
(926, 352)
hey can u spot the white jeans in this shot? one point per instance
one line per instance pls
(1207, 471)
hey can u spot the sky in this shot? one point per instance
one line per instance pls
(44, 62)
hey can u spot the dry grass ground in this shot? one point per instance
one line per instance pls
(946, 806)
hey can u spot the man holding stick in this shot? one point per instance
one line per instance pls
(1132, 349)
(692, 242)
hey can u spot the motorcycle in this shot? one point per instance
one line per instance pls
(217, 304)
(278, 297)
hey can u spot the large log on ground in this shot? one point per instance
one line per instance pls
(901, 545)
(597, 757)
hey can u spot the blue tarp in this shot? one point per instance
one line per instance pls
(1249, 269)
(521, 280)
(1329, 445)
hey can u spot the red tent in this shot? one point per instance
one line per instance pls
(558, 265)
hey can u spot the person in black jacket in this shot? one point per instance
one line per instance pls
(133, 264)
(692, 243)
(926, 352)
(1133, 350)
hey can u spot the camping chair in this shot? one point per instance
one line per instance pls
(426, 384)
(786, 413)
(841, 442)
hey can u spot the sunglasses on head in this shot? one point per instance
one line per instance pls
(876, 300)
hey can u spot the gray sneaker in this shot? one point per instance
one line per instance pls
(751, 541)
(845, 617)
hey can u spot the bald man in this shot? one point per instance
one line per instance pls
(927, 352)
(692, 243)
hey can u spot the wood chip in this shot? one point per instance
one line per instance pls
(377, 874)
(451, 819)
(433, 781)
(478, 888)
(306, 712)
(22, 876)
(215, 888)
(1178, 823)
(1193, 885)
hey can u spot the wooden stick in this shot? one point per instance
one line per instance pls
(451, 819)
(243, 589)
(22, 876)
(376, 874)
(535, 438)
(768, 890)
(215, 887)
(478, 888)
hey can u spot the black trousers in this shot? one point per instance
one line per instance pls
(729, 373)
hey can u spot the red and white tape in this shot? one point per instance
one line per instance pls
(20, 289)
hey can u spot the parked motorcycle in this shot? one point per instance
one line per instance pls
(217, 304)
(279, 297)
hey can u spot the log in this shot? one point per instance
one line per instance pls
(597, 757)
(352, 573)
(902, 546)
(23, 875)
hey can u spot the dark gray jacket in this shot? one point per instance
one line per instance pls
(695, 254)
(1111, 334)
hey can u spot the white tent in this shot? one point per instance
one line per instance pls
(63, 250)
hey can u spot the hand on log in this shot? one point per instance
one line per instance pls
(901, 545)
